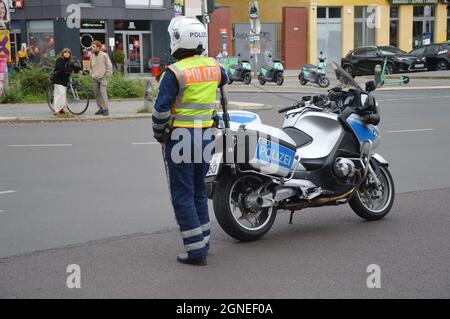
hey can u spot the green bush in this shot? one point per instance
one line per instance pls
(30, 85)
(121, 87)
(13, 94)
(33, 81)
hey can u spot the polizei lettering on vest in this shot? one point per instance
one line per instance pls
(201, 74)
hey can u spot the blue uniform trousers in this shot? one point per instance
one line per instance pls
(188, 195)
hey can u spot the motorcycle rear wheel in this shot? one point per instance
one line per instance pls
(235, 219)
(302, 80)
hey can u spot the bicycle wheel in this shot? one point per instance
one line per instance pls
(50, 96)
(77, 100)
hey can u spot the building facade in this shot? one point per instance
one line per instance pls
(137, 27)
(337, 26)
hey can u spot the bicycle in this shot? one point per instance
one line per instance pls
(77, 97)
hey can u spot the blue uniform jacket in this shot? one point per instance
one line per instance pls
(168, 92)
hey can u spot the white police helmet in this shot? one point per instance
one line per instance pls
(187, 35)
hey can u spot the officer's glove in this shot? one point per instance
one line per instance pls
(159, 138)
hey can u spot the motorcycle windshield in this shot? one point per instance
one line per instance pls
(345, 78)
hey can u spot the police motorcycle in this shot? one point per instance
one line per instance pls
(314, 74)
(325, 154)
(275, 74)
(241, 72)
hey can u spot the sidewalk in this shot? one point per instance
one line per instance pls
(123, 109)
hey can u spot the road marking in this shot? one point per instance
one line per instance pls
(146, 143)
(7, 192)
(41, 145)
(413, 88)
(415, 98)
(408, 131)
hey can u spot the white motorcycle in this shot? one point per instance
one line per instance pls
(323, 155)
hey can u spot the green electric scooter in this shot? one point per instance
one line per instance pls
(384, 79)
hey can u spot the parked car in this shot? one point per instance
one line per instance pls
(362, 61)
(437, 55)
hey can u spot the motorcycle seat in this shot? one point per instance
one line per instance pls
(310, 66)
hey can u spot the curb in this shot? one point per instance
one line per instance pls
(16, 120)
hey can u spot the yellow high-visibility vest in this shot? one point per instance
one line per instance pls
(198, 79)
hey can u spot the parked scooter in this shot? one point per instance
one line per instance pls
(275, 74)
(314, 74)
(241, 72)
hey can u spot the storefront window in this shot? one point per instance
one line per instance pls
(41, 40)
(364, 26)
(393, 29)
(423, 25)
(91, 30)
(144, 3)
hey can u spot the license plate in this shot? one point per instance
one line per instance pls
(214, 164)
(417, 66)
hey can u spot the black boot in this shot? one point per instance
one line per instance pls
(196, 261)
(99, 111)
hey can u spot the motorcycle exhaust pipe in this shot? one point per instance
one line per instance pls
(267, 199)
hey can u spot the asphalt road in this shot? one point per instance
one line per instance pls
(95, 194)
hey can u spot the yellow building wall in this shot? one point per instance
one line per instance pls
(440, 23)
(405, 27)
(311, 47)
(348, 29)
(382, 34)
(271, 11)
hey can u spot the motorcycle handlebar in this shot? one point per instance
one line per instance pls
(286, 108)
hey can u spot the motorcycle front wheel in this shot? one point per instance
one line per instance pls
(370, 202)
(261, 79)
(247, 78)
(280, 79)
(324, 82)
(238, 221)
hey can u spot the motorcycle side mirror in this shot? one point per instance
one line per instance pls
(377, 76)
(371, 86)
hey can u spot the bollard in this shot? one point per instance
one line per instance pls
(149, 96)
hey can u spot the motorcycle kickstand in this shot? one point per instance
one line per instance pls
(290, 218)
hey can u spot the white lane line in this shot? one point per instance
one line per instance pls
(413, 88)
(408, 131)
(41, 145)
(415, 98)
(7, 192)
(146, 143)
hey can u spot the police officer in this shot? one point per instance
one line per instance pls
(187, 94)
